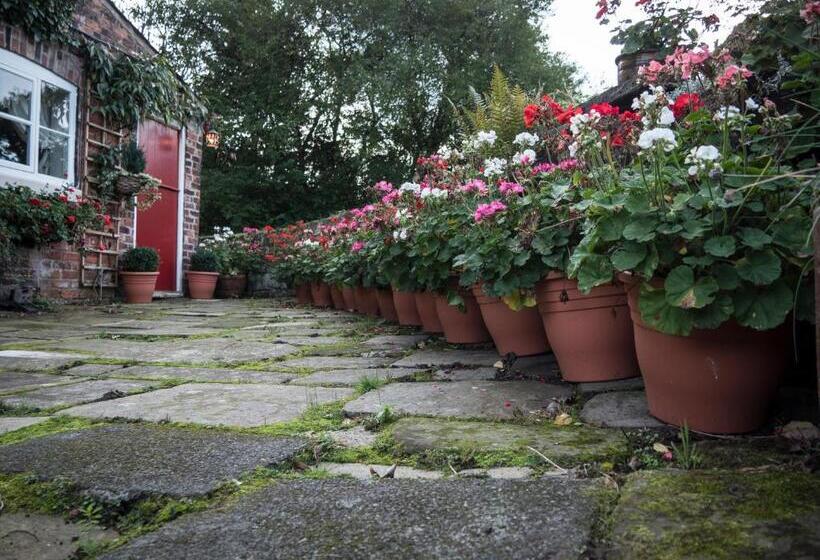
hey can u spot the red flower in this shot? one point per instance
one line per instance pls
(565, 115)
(71, 219)
(107, 220)
(63, 198)
(685, 104)
(605, 109)
(35, 202)
(629, 116)
(531, 114)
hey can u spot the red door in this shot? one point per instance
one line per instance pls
(157, 225)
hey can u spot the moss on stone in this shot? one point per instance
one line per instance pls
(50, 426)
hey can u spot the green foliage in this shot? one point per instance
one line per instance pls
(686, 454)
(367, 383)
(45, 20)
(204, 260)
(132, 158)
(139, 259)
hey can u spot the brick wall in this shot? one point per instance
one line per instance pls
(55, 271)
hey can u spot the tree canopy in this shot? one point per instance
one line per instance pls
(318, 98)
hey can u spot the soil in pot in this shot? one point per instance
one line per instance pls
(590, 334)
(426, 308)
(520, 332)
(462, 326)
(366, 301)
(720, 380)
(349, 296)
(138, 287)
(337, 297)
(405, 304)
(303, 296)
(201, 285)
(231, 286)
(386, 307)
(320, 292)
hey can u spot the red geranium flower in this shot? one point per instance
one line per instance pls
(71, 219)
(531, 114)
(35, 201)
(605, 109)
(685, 104)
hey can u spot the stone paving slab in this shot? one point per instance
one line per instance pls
(13, 381)
(397, 340)
(74, 393)
(632, 384)
(444, 358)
(351, 377)
(93, 370)
(35, 536)
(397, 519)
(417, 435)
(460, 399)
(202, 374)
(356, 436)
(31, 360)
(308, 340)
(215, 404)
(462, 374)
(128, 461)
(12, 423)
(361, 471)
(717, 514)
(336, 362)
(197, 351)
(627, 409)
(500, 473)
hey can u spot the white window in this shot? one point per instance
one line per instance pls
(38, 116)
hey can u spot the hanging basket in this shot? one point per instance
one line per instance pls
(129, 185)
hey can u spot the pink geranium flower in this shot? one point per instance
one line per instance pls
(508, 188)
(486, 210)
(475, 185)
(357, 246)
(732, 74)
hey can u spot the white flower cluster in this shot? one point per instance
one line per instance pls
(751, 104)
(729, 113)
(582, 127)
(448, 153)
(494, 166)
(704, 158)
(656, 117)
(308, 243)
(663, 137)
(434, 192)
(222, 233)
(525, 139)
(487, 137)
(649, 99)
(400, 235)
(527, 157)
(414, 188)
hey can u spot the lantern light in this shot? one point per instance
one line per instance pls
(211, 136)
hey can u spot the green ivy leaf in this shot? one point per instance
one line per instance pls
(754, 238)
(658, 314)
(759, 267)
(683, 291)
(629, 255)
(763, 308)
(722, 246)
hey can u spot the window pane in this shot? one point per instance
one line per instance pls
(54, 107)
(53, 154)
(15, 95)
(14, 141)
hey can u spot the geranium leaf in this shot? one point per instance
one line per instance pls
(754, 238)
(714, 314)
(683, 291)
(793, 234)
(763, 308)
(726, 276)
(658, 314)
(723, 246)
(759, 267)
(629, 255)
(594, 271)
(642, 229)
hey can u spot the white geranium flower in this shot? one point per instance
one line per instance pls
(706, 153)
(527, 157)
(751, 104)
(729, 113)
(703, 158)
(410, 187)
(525, 139)
(657, 136)
(667, 117)
(485, 137)
(494, 166)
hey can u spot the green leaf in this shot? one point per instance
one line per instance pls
(629, 255)
(714, 314)
(683, 291)
(723, 246)
(642, 229)
(759, 267)
(611, 228)
(726, 276)
(763, 308)
(754, 238)
(658, 314)
(595, 270)
(793, 234)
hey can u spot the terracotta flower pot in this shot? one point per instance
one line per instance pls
(138, 287)
(349, 296)
(303, 296)
(426, 308)
(720, 380)
(405, 303)
(232, 286)
(386, 307)
(462, 327)
(337, 297)
(366, 301)
(590, 334)
(320, 292)
(520, 332)
(201, 285)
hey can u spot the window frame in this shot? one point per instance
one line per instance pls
(17, 173)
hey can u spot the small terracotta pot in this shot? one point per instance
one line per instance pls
(405, 303)
(462, 327)
(520, 332)
(386, 307)
(337, 297)
(426, 308)
(303, 296)
(720, 380)
(320, 292)
(138, 287)
(349, 295)
(366, 301)
(201, 285)
(590, 334)
(232, 286)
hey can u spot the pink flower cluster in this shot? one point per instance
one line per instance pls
(475, 185)
(733, 74)
(564, 165)
(357, 246)
(681, 64)
(508, 188)
(384, 187)
(811, 11)
(486, 210)
(390, 197)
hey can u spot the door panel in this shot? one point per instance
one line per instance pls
(157, 226)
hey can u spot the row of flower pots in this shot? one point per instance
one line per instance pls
(718, 381)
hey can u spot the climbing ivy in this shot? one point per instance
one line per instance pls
(45, 20)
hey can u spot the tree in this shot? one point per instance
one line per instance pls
(319, 98)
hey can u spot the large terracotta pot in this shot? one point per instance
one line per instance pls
(349, 296)
(303, 296)
(320, 292)
(366, 301)
(386, 307)
(231, 286)
(337, 297)
(201, 285)
(405, 304)
(426, 308)
(590, 334)
(138, 287)
(520, 332)
(720, 380)
(462, 327)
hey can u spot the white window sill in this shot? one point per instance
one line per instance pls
(40, 183)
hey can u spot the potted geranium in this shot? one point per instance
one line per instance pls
(710, 227)
(234, 256)
(203, 274)
(138, 274)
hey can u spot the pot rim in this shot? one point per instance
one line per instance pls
(127, 273)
